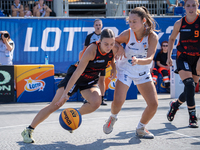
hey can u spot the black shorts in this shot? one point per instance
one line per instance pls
(103, 73)
(187, 63)
(78, 85)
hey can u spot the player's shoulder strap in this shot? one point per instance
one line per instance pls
(97, 43)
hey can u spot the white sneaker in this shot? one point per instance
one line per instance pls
(144, 133)
(108, 127)
(27, 135)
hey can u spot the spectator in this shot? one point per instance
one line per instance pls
(17, 9)
(42, 10)
(181, 3)
(35, 7)
(27, 12)
(6, 48)
(163, 68)
(171, 4)
(154, 72)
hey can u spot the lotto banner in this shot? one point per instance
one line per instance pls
(34, 83)
(63, 38)
(7, 84)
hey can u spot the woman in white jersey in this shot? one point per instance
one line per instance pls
(141, 42)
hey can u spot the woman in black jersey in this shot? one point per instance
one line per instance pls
(93, 37)
(163, 68)
(84, 77)
(188, 52)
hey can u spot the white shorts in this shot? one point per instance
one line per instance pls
(128, 80)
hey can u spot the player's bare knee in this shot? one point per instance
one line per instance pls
(95, 104)
(153, 105)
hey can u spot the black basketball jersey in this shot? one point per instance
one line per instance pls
(93, 37)
(94, 67)
(189, 37)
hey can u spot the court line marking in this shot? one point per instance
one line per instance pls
(184, 135)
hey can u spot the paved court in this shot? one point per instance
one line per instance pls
(89, 136)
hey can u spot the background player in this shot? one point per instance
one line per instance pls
(188, 52)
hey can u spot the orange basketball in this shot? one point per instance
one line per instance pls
(70, 119)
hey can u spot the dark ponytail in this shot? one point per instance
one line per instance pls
(107, 33)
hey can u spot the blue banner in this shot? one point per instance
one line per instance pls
(63, 39)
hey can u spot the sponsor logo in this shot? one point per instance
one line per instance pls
(145, 44)
(125, 77)
(172, 68)
(183, 26)
(130, 61)
(162, 85)
(196, 25)
(71, 90)
(68, 121)
(99, 61)
(59, 32)
(185, 30)
(186, 65)
(133, 48)
(98, 57)
(147, 78)
(6, 79)
(142, 73)
(111, 85)
(110, 55)
(140, 56)
(34, 85)
(74, 113)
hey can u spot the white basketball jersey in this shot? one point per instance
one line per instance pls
(139, 50)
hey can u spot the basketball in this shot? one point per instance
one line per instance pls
(70, 119)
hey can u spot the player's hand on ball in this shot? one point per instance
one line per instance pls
(62, 100)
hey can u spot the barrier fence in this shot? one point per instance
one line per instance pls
(105, 8)
(5, 5)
